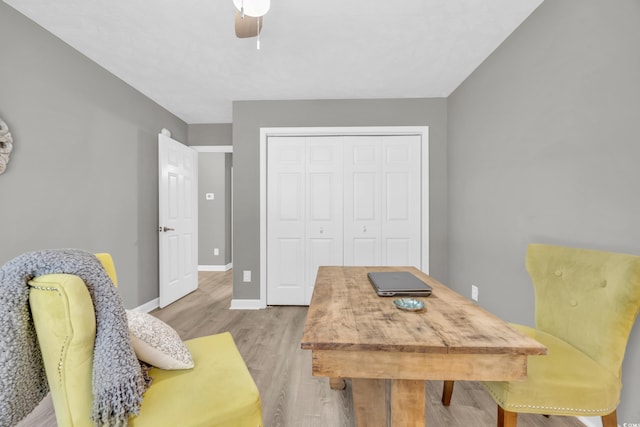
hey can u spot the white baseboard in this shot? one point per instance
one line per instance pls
(149, 306)
(215, 267)
(246, 304)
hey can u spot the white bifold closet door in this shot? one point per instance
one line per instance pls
(304, 215)
(339, 200)
(382, 200)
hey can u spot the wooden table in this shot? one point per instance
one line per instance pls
(355, 334)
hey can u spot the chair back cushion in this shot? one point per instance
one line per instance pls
(64, 320)
(587, 298)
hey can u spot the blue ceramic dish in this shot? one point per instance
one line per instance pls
(409, 304)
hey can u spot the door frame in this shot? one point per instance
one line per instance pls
(266, 132)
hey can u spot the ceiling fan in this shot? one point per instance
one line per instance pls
(249, 14)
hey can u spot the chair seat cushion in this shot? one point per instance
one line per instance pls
(218, 392)
(552, 381)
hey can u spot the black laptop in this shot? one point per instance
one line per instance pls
(398, 283)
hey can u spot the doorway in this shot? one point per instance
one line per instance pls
(215, 189)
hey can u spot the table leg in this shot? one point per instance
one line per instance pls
(407, 403)
(337, 383)
(370, 402)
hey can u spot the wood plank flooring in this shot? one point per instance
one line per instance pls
(269, 341)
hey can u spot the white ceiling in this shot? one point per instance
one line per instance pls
(185, 56)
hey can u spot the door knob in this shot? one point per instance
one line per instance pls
(364, 229)
(321, 230)
(165, 229)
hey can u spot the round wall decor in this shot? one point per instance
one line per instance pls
(6, 145)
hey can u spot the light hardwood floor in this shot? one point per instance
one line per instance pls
(269, 341)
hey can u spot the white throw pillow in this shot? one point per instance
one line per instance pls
(157, 343)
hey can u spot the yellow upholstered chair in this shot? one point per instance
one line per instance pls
(218, 391)
(586, 304)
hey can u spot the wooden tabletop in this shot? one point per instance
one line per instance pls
(346, 314)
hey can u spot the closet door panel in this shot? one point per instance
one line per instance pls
(321, 186)
(362, 198)
(324, 236)
(401, 206)
(398, 251)
(286, 221)
(364, 188)
(320, 252)
(397, 200)
(290, 255)
(365, 252)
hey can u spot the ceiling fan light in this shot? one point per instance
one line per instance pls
(254, 8)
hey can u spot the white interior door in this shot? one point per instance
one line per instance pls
(178, 220)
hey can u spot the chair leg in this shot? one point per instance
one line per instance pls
(507, 418)
(447, 391)
(610, 420)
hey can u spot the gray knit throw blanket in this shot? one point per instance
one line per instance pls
(118, 381)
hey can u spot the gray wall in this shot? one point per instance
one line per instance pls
(212, 214)
(210, 134)
(84, 169)
(250, 116)
(544, 147)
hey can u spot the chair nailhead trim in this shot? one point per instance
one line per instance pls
(44, 288)
(606, 411)
(66, 338)
(61, 357)
(553, 408)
